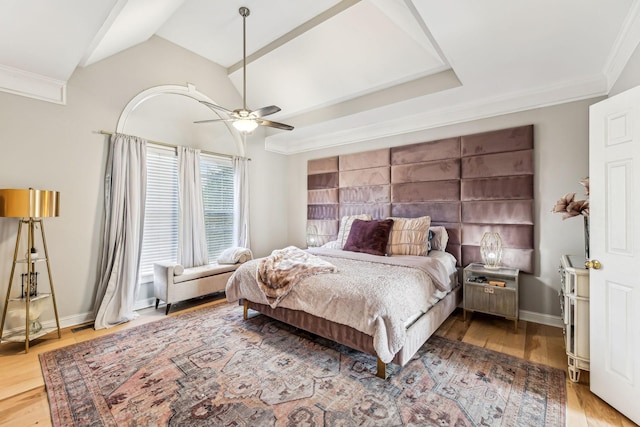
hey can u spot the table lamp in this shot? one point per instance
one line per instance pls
(491, 249)
(312, 236)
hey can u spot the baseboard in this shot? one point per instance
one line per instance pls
(65, 322)
(75, 320)
(544, 319)
(82, 318)
(144, 303)
(79, 319)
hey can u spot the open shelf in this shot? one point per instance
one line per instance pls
(24, 260)
(41, 295)
(19, 336)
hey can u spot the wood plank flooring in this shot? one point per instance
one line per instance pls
(23, 400)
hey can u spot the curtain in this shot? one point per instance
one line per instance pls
(124, 193)
(241, 202)
(192, 243)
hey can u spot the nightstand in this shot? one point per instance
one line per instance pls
(480, 295)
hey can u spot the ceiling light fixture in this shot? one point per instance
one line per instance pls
(243, 119)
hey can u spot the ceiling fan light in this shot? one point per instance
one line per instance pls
(245, 125)
(243, 119)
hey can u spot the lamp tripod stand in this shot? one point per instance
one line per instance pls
(30, 205)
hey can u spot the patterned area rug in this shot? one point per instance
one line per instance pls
(210, 367)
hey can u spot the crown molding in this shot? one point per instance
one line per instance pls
(32, 85)
(625, 44)
(464, 112)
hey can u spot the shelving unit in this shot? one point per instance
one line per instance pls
(574, 303)
(33, 328)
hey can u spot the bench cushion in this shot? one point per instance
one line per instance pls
(204, 271)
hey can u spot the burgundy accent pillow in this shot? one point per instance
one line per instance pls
(370, 237)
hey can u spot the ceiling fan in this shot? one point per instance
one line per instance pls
(244, 119)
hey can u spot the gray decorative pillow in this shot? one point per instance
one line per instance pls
(429, 238)
(440, 238)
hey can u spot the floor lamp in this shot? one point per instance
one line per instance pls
(31, 206)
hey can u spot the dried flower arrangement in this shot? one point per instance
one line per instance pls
(569, 207)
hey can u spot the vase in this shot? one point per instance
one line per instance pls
(586, 237)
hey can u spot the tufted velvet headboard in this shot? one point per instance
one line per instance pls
(469, 184)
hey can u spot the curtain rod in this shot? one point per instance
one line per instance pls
(166, 144)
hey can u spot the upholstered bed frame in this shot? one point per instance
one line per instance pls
(417, 333)
(469, 184)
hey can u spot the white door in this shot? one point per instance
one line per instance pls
(614, 171)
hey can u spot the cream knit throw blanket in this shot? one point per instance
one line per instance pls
(278, 273)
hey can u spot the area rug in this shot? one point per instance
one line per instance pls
(210, 367)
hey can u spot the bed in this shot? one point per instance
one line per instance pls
(387, 306)
(467, 185)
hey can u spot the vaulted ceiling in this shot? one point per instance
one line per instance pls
(343, 71)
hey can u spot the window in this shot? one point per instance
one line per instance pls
(160, 241)
(216, 176)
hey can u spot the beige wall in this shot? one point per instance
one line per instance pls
(49, 146)
(561, 160)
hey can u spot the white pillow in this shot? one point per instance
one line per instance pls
(178, 270)
(345, 227)
(334, 244)
(409, 236)
(440, 238)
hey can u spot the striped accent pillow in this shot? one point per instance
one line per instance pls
(409, 236)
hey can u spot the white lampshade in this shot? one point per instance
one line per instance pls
(491, 249)
(245, 125)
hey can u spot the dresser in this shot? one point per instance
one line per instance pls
(574, 302)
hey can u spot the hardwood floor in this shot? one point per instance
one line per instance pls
(23, 400)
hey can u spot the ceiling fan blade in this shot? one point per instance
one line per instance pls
(213, 120)
(275, 124)
(216, 107)
(265, 111)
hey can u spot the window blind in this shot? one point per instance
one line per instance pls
(216, 175)
(160, 240)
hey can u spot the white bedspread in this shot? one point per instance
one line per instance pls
(375, 295)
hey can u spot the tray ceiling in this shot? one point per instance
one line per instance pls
(343, 71)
